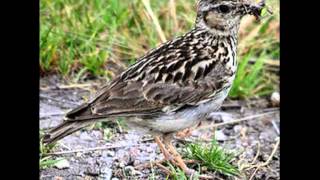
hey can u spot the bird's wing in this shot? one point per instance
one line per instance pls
(137, 99)
(169, 77)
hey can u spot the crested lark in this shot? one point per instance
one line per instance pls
(174, 86)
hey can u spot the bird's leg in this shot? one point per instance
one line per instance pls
(178, 161)
(187, 132)
(163, 149)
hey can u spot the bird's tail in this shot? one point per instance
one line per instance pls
(64, 129)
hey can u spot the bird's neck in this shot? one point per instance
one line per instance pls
(222, 47)
(229, 30)
(229, 39)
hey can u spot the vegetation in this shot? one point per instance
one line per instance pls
(79, 37)
(213, 157)
(45, 160)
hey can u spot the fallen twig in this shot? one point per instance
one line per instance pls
(257, 155)
(203, 176)
(270, 109)
(86, 150)
(237, 120)
(275, 126)
(162, 167)
(71, 86)
(231, 106)
(167, 171)
(147, 140)
(268, 62)
(258, 166)
(149, 164)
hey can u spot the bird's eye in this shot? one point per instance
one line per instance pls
(224, 8)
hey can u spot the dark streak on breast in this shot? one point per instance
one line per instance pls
(168, 78)
(199, 73)
(177, 77)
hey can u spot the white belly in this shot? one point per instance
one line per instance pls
(180, 120)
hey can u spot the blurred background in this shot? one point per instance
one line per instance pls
(85, 43)
(85, 39)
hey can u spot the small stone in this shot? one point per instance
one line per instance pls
(275, 99)
(132, 171)
(219, 117)
(129, 168)
(237, 128)
(97, 134)
(85, 136)
(62, 164)
(220, 136)
(121, 164)
(108, 153)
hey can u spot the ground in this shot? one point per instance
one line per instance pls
(116, 153)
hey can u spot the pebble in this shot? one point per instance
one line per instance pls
(275, 99)
(121, 165)
(219, 117)
(85, 136)
(132, 171)
(109, 153)
(106, 173)
(62, 164)
(237, 128)
(220, 136)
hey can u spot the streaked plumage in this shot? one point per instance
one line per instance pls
(174, 86)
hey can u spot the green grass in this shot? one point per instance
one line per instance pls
(48, 162)
(83, 34)
(209, 157)
(252, 80)
(178, 174)
(45, 160)
(213, 157)
(79, 37)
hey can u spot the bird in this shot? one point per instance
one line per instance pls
(174, 86)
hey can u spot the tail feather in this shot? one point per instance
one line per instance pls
(64, 129)
(82, 110)
(75, 120)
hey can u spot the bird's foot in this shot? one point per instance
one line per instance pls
(178, 161)
(185, 133)
(163, 149)
(171, 155)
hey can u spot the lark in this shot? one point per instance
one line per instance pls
(174, 86)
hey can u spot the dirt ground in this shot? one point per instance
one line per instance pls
(117, 156)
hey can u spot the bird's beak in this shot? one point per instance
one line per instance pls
(254, 9)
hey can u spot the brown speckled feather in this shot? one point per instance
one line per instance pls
(175, 77)
(194, 70)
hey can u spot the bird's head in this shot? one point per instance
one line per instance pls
(223, 16)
